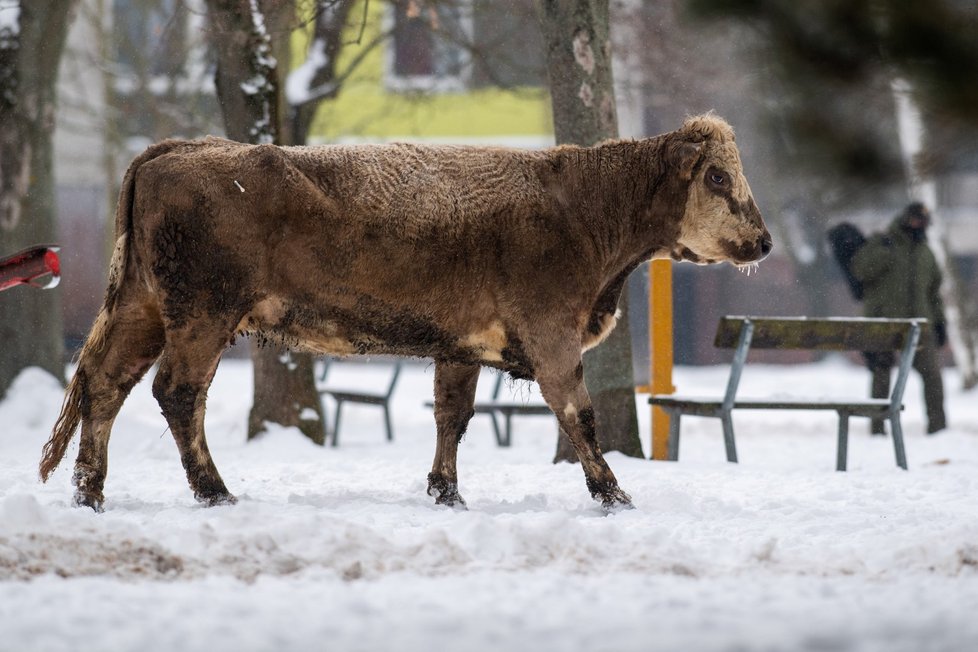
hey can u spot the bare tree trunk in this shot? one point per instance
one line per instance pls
(963, 339)
(315, 80)
(246, 78)
(578, 46)
(111, 134)
(285, 393)
(248, 90)
(32, 38)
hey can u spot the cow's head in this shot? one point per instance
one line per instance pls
(721, 222)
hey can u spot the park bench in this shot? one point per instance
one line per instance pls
(506, 409)
(380, 398)
(801, 333)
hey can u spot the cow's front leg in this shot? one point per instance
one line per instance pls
(564, 390)
(454, 395)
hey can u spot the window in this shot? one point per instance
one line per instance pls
(440, 46)
(430, 43)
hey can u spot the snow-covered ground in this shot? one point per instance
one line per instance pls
(340, 549)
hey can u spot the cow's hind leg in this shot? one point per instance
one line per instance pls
(186, 370)
(454, 395)
(133, 340)
(563, 388)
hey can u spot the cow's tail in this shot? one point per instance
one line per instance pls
(94, 348)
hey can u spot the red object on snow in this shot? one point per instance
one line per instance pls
(38, 266)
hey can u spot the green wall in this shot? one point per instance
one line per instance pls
(365, 110)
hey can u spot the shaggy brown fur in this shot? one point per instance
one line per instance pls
(468, 255)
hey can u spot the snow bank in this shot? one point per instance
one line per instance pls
(341, 548)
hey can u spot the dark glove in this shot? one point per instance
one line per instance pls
(940, 333)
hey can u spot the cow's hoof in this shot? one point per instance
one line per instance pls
(453, 500)
(445, 492)
(92, 500)
(88, 488)
(216, 499)
(615, 500)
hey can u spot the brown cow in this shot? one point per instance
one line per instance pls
(468, 255)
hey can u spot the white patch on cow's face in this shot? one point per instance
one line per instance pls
(721, 223)
(488, 343)
(570, 411)
(608, 322)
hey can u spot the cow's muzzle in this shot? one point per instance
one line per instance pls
(751, 252)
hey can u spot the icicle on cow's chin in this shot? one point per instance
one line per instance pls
(748, 268)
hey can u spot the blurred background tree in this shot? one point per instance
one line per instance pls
(872, 93)
(822, 53)
(32, 38)
(577, 39)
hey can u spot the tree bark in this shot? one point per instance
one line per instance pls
(578, 48)
(922, 187)
(30, 321)
(246, 77)
(248, 83)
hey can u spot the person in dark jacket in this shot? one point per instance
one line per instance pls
(900, 278)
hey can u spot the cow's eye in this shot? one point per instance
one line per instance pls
(718, 178)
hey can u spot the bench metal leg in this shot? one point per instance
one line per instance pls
(334, 441)
(728, 437)
(672, 452)
(508, 433)
(901, 454)
(495, 429)
(842, 451)
(387, 422)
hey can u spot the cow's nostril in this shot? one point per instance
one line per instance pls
(767, 244)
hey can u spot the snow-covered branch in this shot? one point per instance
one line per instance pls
(14, 150)
(9, 46)
(9, 19)
(315, 78)
(260, 85)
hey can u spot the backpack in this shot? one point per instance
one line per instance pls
(846, 239)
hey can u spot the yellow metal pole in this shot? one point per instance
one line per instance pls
(660, 341)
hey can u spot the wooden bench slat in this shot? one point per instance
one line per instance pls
(823, 404)
(774, 403)
(825, 334)
(516, 408)
(357, 397)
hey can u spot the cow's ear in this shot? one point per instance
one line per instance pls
(688, 155)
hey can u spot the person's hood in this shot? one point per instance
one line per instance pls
(897, 229)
